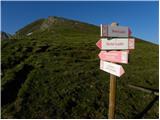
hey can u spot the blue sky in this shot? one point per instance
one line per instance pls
(141, 17)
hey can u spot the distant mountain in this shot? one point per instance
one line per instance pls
(51, 23)
(4, 35)
(50, 69)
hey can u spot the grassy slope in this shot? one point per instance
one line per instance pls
(31, 27)
(55, 74)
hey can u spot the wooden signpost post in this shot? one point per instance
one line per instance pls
(114, 38)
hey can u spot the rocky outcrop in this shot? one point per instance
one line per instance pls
(4, 35)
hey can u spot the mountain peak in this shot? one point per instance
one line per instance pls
(54, 22)
(51, 20)
(55, 18)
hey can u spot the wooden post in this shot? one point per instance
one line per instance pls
(112, 97)
(112, 92)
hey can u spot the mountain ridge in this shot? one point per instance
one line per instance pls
(47, 23)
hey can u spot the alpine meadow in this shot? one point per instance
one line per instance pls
(50, 69)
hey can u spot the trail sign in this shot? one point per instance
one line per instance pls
(116, 43)
(115, 31)
(113, 38)
(112, 68)
(114, 56)
(131, 43)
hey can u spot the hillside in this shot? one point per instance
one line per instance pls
(50, 69)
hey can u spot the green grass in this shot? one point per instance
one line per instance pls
(57, 75)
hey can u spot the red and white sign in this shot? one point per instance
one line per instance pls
(115, 31)
(116, 43)
(114, 56)
(131, 43)
(112, 68)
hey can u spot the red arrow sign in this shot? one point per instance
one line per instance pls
(99, 44)
(114, 56)
(115, 43)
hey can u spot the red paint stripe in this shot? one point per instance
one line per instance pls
(99, 44)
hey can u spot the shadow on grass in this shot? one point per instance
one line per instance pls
(11, 89)
(146, 109)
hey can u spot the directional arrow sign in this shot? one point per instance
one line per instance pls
(131, 43)
(115, 31)
(112, 68)
(114, 56)
(116, 43)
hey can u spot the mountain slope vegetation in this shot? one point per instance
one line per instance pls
(53, 72)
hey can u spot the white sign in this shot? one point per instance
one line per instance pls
(112, 68)
(116, 43)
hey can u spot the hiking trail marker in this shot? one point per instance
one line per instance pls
(115, 43)
(113, 38)
(114, 56)
(114, 31)
(111, 68)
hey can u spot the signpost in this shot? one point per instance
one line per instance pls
(114, 56)
(112, 68)
(114, 38)
(115, 43)
(114, 31)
